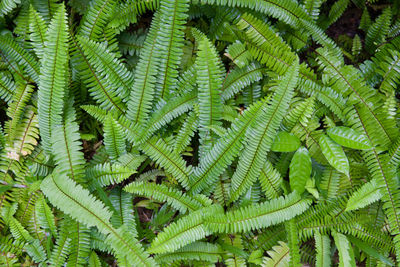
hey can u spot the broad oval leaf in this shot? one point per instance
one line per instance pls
(285, 142)
(348, 137)
(334, 153)
(300, 170)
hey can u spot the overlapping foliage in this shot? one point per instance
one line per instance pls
(199, 133)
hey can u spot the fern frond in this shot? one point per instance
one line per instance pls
(109, 174)
(66, 147)
(37, 28)
(240, 78)
(346, 254)
(13, 53)
(98, 86)
(238, 54)
(222, 154)
(96, 17)
(163, 193)
(122, 202)
(108, 67)
(114, 139)
(7, 6)
(142, 93)
(378, 30)
(7, 87)
(209, 80)
(278, 256)
(364, 196)
(259, 139)
(170, 42)
(258, 215)
(196, 251)
(160, 152)
(323, 247)
(86, 209)
(54, 77)
(186, 230)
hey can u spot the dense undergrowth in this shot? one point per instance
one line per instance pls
(199, 133)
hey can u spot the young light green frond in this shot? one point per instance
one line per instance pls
(53, 77)
(348, 137)
(37, 28)
(334, 154)
(279, 256)
(260, 137)
(107, 67)
(45, 216)
(364, 196)
(142, 93)
(388, 63)
(161, 153)
(300, 170)
(313, 7)
(222, 154)
(96, 18)
(66, 147)
(163, 193)
(170, 43)
(258, 216)
(323, 247)
(12, 53)
(114, 138)
(186, 230)
(109, 174)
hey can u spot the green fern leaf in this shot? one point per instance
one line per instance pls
(260, 138)
(348, 137)
(364, 196)
(54, 77)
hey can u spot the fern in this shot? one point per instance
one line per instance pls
(199, 133)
